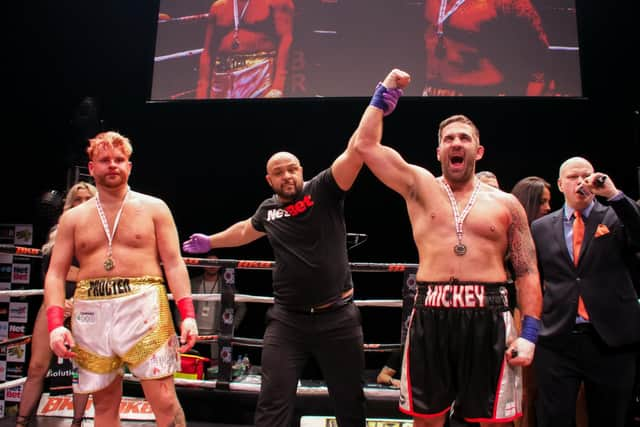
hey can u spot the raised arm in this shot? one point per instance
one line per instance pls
(384, 162)
(346, 167)
(625, 208)
(238, 234)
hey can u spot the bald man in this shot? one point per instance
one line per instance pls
(313, 314)
(591, 318)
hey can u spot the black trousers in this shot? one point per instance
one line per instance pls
(562, 363)
(334, 338)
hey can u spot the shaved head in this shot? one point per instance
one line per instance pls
(284, 175)
(574, 161)
(281, 157)
(571, 175)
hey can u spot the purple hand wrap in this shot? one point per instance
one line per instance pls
(197, 244)
(385, 99)
(530, 328)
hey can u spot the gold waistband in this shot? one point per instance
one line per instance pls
(228, 63)
(114, 287)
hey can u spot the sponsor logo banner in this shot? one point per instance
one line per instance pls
(60, 376)
(15, 370)
(18, 312)
(21, 273)
(23, 235)
(13, 394)
(16, 353)
(16, 331)
(131, 408)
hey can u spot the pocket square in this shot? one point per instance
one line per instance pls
(601, 230)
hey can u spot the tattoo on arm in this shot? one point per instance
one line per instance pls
(522, 249)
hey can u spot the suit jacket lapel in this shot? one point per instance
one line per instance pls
(558, 232)
(595, 218)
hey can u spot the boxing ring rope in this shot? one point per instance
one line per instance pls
(163, 18)
(226, 339)
(218, 298)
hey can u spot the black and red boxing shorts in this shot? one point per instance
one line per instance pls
(455, 353)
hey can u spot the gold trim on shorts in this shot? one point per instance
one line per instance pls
(240, 61)
(96, 363)
(155, 338)
(116, 287)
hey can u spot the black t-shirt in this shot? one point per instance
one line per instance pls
(308, 237)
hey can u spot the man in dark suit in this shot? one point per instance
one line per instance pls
(591, 314)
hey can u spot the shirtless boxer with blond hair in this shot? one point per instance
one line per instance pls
(121, 312)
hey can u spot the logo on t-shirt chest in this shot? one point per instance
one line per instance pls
(293, 209)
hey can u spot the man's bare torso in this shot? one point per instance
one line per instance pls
(485, 234)
(134, 244)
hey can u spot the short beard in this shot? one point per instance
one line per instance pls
(288, 197)
(467, 175)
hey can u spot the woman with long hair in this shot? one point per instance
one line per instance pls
(40, 352)
(534, 193)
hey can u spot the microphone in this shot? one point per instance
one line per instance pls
(598, 183)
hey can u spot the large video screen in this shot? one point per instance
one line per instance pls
(238, 49)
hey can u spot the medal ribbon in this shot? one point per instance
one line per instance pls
(458, 217)
(105, 224)
(443, 15)
(236, 18)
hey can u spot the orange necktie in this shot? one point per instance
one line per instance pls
(578, 236)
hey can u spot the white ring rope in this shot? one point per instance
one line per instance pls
(247, 342)
(218, 297)
(176, 55)
(187, 18)
(21, 293)
(235, 263)
(13, 383)
(391, 393)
